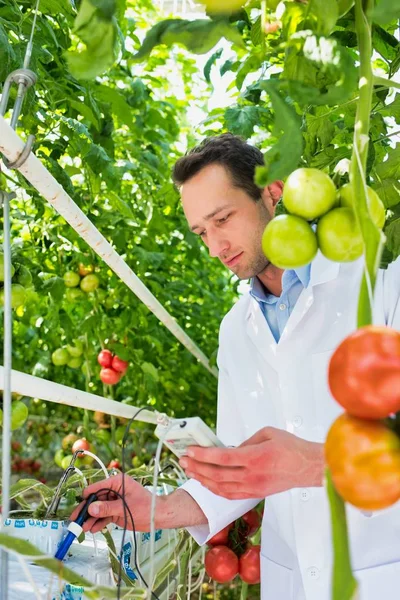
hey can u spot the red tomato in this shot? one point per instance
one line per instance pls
(109, 376)
(364, 459)
(252, 520)
(119, 365)
(81, 444)
(249, 565)
(364, 372)
(220, 538)
(114, 464)
(105, 358)
(221, 564)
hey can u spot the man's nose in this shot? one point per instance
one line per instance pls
(217, 245)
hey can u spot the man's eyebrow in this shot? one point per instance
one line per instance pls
(211, 215)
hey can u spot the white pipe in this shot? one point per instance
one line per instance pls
(36, 173)
(35, 387)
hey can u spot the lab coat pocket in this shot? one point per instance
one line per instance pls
(379, 582)
(277, 580)
(326, 407)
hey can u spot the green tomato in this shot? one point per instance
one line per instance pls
(101, 295)
(103, 435)
(65, 462)
(19, 414)
(73, 295)
(77, 350)
(289, 242)
(71, 279)
(18, 295)
(24, 276)
(223, 6)
(90, 283)
(375, 205)
(339, 237)
(58, 457)
(2, 267)
(60, 357)
(75, 362)
(309, 193)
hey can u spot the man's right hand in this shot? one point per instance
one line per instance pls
(173, 511)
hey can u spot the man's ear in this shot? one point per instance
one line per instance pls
(276, 190)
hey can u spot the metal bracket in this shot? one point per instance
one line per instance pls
(6, 196)
(53, 506)
(24, 78)
(19, 161)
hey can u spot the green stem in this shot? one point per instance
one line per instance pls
(244, 591)
(387, 83)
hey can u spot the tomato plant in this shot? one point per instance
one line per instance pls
(364, 460)
(364, 372)
(221, 538)
(71, 279)
(375, 205)
(89, 283)
(221, 564)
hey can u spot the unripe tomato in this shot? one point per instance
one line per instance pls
(289, 242)
(364, 459)
(90, 283)
(77, 350)
(250, 565)
(68, 441)
(81, 444)
(18, 295)
(104, 358)
(375, 205)
(71, 279)
(252, 520)
(109, 376)
(364, 372)
(60, 357)
(75, 362)
(309, 193)
(65, 462)
(24, 276)
(84, 270)
(74, 294)
(19, 414)
(221, 564)
(119, 365)
(2, 267)
(221, 538)
(339, 237)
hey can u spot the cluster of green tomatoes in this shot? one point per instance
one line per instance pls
(319, 216)
(21, 281)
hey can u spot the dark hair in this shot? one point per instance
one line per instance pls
(232, 152)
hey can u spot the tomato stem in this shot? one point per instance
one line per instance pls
(244, 590)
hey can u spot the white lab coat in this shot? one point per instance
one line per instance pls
(284, 385)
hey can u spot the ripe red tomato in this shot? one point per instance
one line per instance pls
(119, 365)
(364, 459)
(114, 464)
(252, 520)
(221, 564)
(104, 358)
(221, 538)
(249, 565)
(364, 372)
(109, 376)
(81, 444)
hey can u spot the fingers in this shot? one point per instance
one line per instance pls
(263, 435)
(218, 474)
(230, 490)
(95, 525)
(226, 457)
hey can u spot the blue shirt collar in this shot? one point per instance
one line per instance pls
(258, 291)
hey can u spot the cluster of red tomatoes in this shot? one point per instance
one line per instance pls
(363, 446)
(231, 553)
(19, 464)
(113, 367)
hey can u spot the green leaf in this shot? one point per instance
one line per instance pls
(85, 111)
(119, 205)
(150, 370)
(390, 168)
(385, 43)
(386, 11)
(240, 120)
(210, 63)
(392, 232)
(252, 63)
(55, 286)
(344, 584)
(284, 156)
(319, 70)
(98, 30)
(322, 16)
(199, 36)
(392, 109)
(388, 191)
(256, 34)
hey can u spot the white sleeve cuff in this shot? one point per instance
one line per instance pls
(219, 511)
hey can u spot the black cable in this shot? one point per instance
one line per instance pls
(124, 440)
(127, 509)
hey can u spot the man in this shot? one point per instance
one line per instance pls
(274, 405)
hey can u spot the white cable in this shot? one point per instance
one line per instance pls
(97, 459)
(29, 576)
(82, 475)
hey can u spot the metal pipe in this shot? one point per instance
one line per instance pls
(36, 387)
(36, 173)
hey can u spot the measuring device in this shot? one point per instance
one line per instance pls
(179, 434)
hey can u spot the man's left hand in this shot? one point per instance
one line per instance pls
(269, 462)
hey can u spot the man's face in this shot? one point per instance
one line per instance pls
(228, 220)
